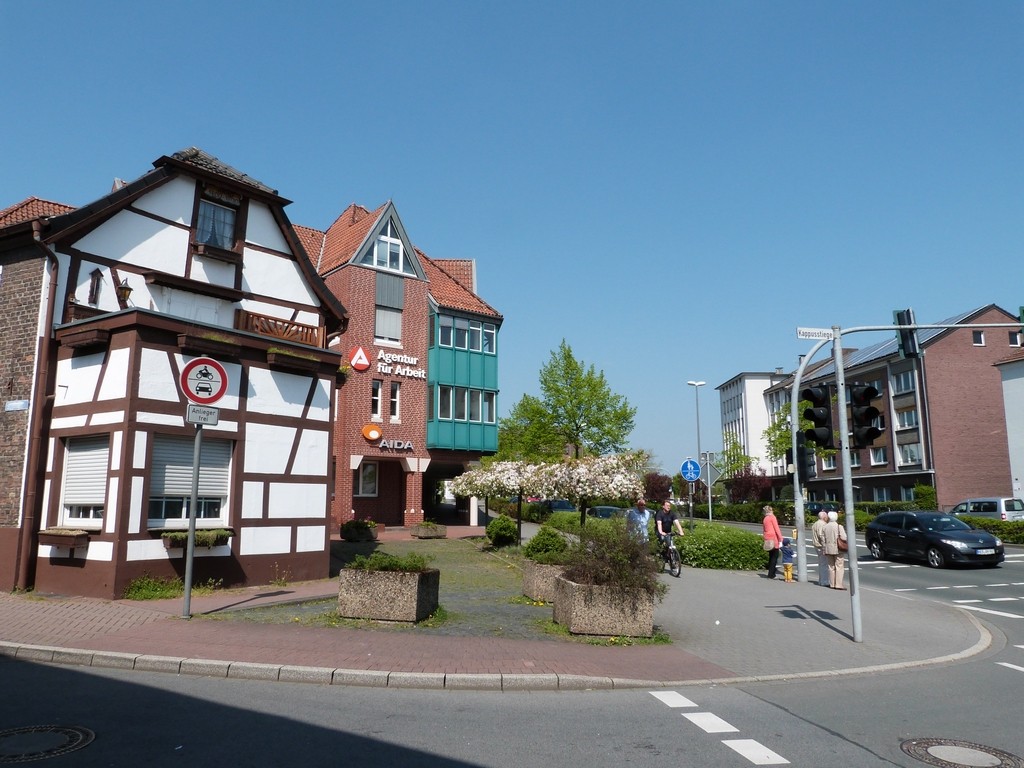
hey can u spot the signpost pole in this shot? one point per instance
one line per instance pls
(190, 553)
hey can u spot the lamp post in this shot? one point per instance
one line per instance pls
(696, 402)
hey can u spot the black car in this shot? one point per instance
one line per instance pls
(814, 507)
(606, 512)
(935, 537)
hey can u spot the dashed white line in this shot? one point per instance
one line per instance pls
(672, 699)
(755, 752)
(994, 613)
(710, 723)
(991, 599)
(1010, 666)
(965, 602)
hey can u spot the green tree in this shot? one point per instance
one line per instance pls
(732, 460)
(577, 411)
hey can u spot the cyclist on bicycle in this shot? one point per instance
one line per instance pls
(665, 522)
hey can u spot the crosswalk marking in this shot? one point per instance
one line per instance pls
(1010, 666)
(755, 752)
(672, 699)
(710, 723)
(1004, 614)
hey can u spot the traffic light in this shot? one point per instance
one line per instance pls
(820, 415)
(907, 338)
(806, 465)
(863, 415)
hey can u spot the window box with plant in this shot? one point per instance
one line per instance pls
(64, 537)
(359, 530)
(383, 587)
(428, 529)
(205, 537)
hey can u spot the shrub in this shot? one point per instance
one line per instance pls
(503, 531)
(722, 547)
(547, 546)
(382, 561)
(567, 522)
(354, 530)
(1011, 532)
(205, 537)
(608, 555)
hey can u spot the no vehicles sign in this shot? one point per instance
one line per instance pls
(203, 380)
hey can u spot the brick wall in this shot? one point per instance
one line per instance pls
(965, 401)
(20, 291)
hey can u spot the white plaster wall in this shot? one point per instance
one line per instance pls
(252, 500)
(310, 538)
(147, 549)
(139, 240)
(262, 229)
(213, 271)
(267, 448)
(268, 275)
(96, 550)
(266, 541)
(111, 511)
(1013, 398)
(284, 394)
(115, 380)
(77, 378)
(172, 200)
(135, 511)
(314, 452)
(297, 500)
(157, 380)
(105, 418)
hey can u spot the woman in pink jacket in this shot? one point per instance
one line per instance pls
(772, 536)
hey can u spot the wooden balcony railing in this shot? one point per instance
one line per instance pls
(274, 327)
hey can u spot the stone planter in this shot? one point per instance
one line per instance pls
(70, 539)
(429, 532)
(585, 609)
(388, 595)
(539, 580)
(361, 534)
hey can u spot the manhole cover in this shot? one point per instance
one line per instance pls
(38, 742)
(953, 753)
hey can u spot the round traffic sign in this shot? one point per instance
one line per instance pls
(690, 470)
(203, 380)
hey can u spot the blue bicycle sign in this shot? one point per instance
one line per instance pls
(690, 470)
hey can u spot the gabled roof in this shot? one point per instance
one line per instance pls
(32, 208)
(449, 292)
(205, 163)
(345, 235)
(890, 347)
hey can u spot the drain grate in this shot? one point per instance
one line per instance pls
(39, 742)
(954, 753)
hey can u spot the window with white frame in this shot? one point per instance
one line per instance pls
(903, 382)
(216, 225)
(475, 396)
(364, 479)
(460, 404)
(1014, 338)
(170, 490)
(388, 251)
(375, 406)
(978, 338)
(461, 333)
(86, 464)
(882, 494)
(475, 333)
(906, 493)
(444, 402)
(828, 462)
(489, 338)
(854, 459)
(446, 330)
(879, 456)
(388, 325)
(488, 408)
(395, 409)
(906, 419)
(910, 453)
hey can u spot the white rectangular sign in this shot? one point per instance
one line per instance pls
(813, 333)
(202, 414)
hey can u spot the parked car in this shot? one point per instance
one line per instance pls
(814, 507)
(605, 512)
(935, 537)
(559, 505)
(993, 508)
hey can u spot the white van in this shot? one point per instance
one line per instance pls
(994, 508)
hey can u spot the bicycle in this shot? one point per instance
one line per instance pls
(670, 555)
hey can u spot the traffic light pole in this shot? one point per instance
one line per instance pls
(798, 498)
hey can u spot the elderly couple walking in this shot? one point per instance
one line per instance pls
(826, 533)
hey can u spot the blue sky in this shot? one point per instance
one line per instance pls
(671, 187)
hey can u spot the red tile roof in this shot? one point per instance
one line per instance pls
(32, 208)
(448, 291)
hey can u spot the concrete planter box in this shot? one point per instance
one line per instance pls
(539, 580)
(585, 609)
(388, 595)
(429, 531)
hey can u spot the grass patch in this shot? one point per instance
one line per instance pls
(524, 600)
(148, 587)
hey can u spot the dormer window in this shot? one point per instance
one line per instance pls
(388, 252)
(216, 225)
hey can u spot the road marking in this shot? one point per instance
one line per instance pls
(672, 699)
(710, 723)
(994, 613)
(906, 589)
(991, 599)
(997, 585)
(1010, 666)
(755, 752)
(925, 587)
(965, 602)
(966, 586)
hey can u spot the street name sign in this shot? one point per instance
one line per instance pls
(814, 333)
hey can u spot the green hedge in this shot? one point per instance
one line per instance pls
(722, 547)
(1009, 532)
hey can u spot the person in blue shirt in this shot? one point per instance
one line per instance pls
(787, 559)
(637, 519)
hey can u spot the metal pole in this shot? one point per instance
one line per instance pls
(696, 402)
(190, 552)
(844, 447)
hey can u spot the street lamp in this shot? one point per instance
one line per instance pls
(696, 402)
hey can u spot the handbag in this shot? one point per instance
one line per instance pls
(769, 545)
(841, 544)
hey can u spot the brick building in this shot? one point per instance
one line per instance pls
(943, 415)
(420, 403)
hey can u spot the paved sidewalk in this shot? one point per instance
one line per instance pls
(725, 626)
